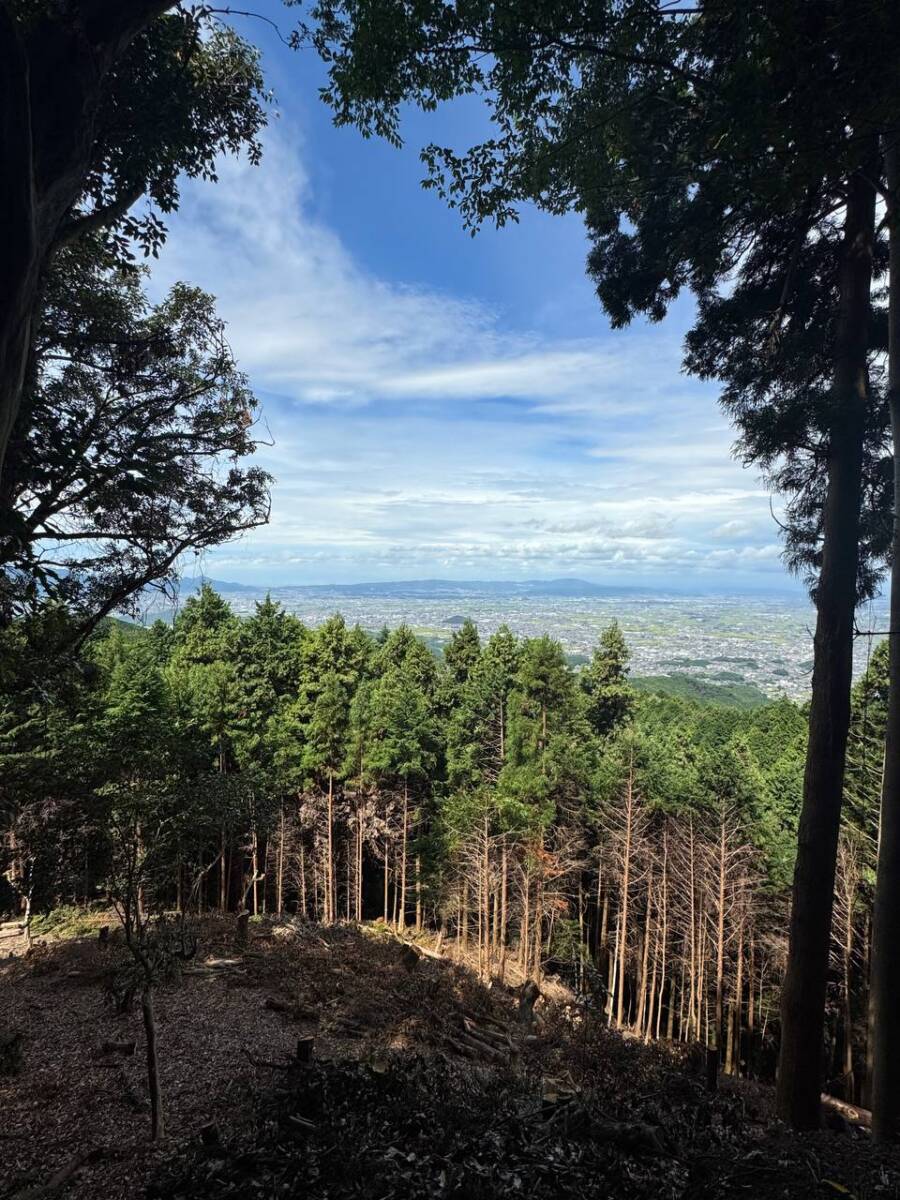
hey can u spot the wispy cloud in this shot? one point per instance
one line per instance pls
(418, 431)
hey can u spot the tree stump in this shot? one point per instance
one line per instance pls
(243, 928)
(10, 1052)
(529, 996)
(210, 1138)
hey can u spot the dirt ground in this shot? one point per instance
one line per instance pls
(383, 1016)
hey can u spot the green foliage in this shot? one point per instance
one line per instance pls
(151, 399)
(605, 682)
(175, 738)
(692, 687)
(702, 153)
(66, 921)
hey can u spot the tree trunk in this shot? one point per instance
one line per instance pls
(751, 1007)
(626, 880)
(223, 865)
(329, 865)
(387, 870)
(303, 876)
(157, 1127)
(504, 888)
(279, 878)
(645, 958)
(738, 1007)
(714, 1042)
(885, 973)
(665, 938)
(418, 869)
(803, 993)
(614, 971)
(402, 913)
(486, 871)
(849, 1083)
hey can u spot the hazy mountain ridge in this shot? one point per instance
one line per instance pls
(453, 588)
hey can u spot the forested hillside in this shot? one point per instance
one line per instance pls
(532, 815)
(593, 916)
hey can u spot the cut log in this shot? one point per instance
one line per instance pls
(498, 1040)
(473, 1047)
(424, 951)
(850, 1112)
(126, 1048)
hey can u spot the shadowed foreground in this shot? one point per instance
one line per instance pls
(421, 1082)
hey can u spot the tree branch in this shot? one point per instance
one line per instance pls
(99, 218)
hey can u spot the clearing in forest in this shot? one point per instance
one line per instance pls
(340, 1061)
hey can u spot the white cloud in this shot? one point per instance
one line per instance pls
(414, 430)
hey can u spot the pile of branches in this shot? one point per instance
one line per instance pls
(431, 1127)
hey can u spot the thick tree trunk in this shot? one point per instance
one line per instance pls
(803, 993)
(885, 976)
(51, 85)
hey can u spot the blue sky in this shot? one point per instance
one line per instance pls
(443, 406)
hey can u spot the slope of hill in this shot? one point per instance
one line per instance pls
(693, 687)
(345, 1062)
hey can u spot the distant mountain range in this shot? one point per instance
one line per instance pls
(438, 589)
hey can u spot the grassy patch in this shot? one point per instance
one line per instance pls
(67, 921)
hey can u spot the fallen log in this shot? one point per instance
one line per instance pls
(472, 1047)
(425, 951)
(850, 1112)
(491, 1036)
(633, 1136)
(126, 1048)
(60, 1178)
(296, 1011)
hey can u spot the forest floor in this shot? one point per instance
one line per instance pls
(423, 1083)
